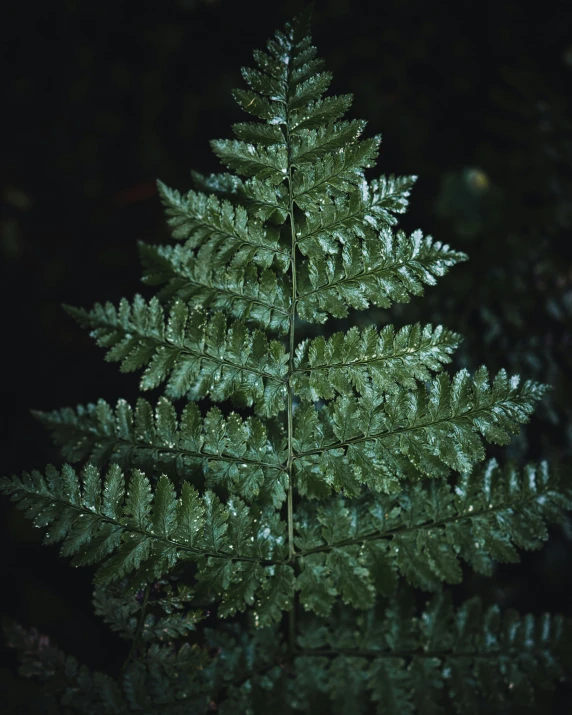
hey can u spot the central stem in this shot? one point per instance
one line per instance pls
(290, 462)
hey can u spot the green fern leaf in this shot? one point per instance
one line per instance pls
(426, 432)
(323, 470)
(378, 271)
(356, 359)
(316, 143)
(236, 454)
(257, 297)
(334, 174)
(195, 356)
(363, 212)
(223, 231)
(422, 532)
(261, 199)
(269, 163)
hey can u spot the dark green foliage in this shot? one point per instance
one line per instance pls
(376, 439)
(356, 359)
(464, 660)
(67, 682)
(246, 293)
(348, 476)
(384, 660)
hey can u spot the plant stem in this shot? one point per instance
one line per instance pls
(291, 369)
(290, 407)
(292, 629)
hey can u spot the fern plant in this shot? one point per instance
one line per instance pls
(306, 489)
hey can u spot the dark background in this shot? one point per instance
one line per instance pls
(101, 98)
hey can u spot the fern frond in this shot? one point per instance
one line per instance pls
(334, 174)
(261, 199)
(131, 528)
(238, 455)
(357, 359)
(377, 440)
(365, 211)
(257, 297)
(265, 163)
(466, 659)
(422, 532)
(225, 232)
(378, 271)
(196, 356)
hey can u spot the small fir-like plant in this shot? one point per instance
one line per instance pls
(301, 488)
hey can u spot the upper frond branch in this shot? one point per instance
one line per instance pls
(263, 162)
(223, 230)
(195, 356)
(366, 210)
(379, 271)
(333, 175)
(353, 361)
(308, 146)
(257, 297)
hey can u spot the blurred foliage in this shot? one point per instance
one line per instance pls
(519, 307)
